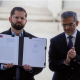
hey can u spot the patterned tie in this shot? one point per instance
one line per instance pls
(70, 44)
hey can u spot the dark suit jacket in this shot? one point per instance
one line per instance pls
(10, 74)
(57, 54)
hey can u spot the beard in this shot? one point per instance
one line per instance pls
(17, 26)
(69, 32)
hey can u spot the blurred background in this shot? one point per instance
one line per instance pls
(43, 20)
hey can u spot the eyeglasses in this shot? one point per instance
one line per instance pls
(70, 24)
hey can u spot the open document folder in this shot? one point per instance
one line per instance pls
(23, 50)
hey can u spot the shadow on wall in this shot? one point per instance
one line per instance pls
(0, 2)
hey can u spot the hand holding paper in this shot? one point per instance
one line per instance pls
(27, 67)
(8, 65)
(22, 50)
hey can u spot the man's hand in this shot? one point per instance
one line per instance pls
(72, 53)
(27, 67)
(5, 66)
(67, 61)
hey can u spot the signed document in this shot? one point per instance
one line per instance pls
(9, 49)
(25, 50)
(35, 49)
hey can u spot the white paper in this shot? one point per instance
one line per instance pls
(34, 52)
(9, 49)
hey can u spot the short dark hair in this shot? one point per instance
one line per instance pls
(67, 14)
(17, 9)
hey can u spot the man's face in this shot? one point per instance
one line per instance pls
(18, 20)
(69, 25)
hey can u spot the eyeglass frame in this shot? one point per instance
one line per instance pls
(70, 24)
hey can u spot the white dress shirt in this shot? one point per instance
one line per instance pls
(73, 39)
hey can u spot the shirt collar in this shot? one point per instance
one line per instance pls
(21, 34)
(74, 35)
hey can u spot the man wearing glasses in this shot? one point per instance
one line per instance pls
(64, 50)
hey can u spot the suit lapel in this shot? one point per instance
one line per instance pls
(25, 33)
(77, 42)
(8, 32)
(63, 43)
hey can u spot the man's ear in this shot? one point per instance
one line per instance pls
(77, 22)
(26, 21)
(10, 19)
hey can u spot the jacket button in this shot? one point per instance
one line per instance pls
(71, 77)
(13, 78)
(71, 68)
(78, 62)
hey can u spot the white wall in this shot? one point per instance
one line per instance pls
(55, 6)
(33, 3)
(72, 4)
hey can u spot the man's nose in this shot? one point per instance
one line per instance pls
(67, 26)
(19, 19)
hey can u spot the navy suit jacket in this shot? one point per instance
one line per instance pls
(57, 54)
(10, 74)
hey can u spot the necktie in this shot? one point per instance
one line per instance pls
(70, 44)
(17, 73)
(17, 67)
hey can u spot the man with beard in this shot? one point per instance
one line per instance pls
(64, 50)
(9, 71)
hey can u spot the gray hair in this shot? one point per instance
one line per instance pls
(67, 14)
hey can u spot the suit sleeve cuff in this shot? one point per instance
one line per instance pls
(66, 64)
(2, 67)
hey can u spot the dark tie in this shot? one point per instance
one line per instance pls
(17, 73)
(18, 68)
(70, 44)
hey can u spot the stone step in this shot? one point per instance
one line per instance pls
(30, 17)
(29, 10)
(35, 27)
(34, 14)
